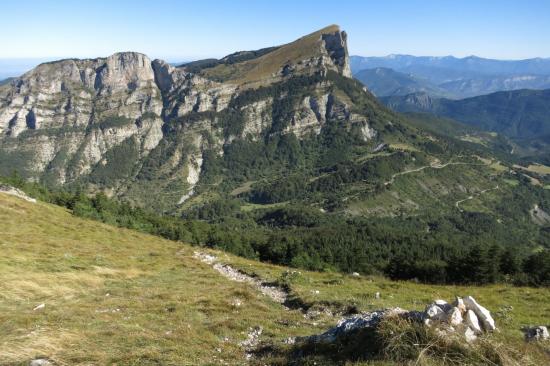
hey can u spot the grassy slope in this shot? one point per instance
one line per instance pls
(173, 309)
(265, 66)
(118, 296)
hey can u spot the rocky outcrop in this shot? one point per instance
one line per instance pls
(336, 46)
(460, 317)
(15, 192)
(68, 119)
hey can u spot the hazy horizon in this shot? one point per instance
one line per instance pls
(13, 67)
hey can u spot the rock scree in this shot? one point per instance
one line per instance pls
(464, 316)
(276, 293)
(15, 192)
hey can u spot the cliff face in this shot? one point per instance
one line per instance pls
(102, 118)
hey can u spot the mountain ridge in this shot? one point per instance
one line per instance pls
(59, 120)
(459, 78)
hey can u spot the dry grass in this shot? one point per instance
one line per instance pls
(266, 67)
(115, 296)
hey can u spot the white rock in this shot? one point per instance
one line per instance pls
(444, 305)
(459, 303)
(470, 335)
(355, 274)
(539, 333)
(377, 295)
(483, 314)
(15, 192)
(454, 316)
(473, 322)
(40, 362)
(434, 312)
(39, 307)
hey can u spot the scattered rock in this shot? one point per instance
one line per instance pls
(366, 320)
(483, 314)
(473, 322)
(236, 302)
(446, 318)
(538, 333)
(459, 303)
(361, 321)
(253, 338)
(470, 335)
(275, 293)
(434, 312)
(454, 317)
(290, 340)
(39, 307)
(444, 305)
(40, 362)
(15, 192)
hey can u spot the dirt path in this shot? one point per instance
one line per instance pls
(434, 165)
(276, 293)
(457, 203)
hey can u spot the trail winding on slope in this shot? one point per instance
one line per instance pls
(276, 293)
(457, 203)
(434, 165)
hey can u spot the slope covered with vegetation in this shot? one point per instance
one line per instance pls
(519, 114)
(117, 296)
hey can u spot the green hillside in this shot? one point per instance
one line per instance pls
(522, 115)
(385, 82)
(116, 296)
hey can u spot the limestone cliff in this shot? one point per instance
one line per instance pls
(100, 119)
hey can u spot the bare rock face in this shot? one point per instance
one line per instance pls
(69, 119)
(336, 46)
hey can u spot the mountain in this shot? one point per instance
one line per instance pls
(382, 81)
(471, 65)
(277, 155)
(464, 77)
(5, 81)
(127, 122)
(521, 114)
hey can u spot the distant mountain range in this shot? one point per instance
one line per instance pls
(518, 114)
(5, 81)
(522, 115)
(449, 76)
(383, 81)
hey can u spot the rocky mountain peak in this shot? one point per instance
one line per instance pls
(126, 70)
(335, 42)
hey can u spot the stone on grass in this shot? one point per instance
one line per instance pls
(539, 333)
(459, 303)
(473, 322)
(470, 335)
(40, 362)
(434, 312)
(454, 316)
(483, 314)
(444, 305)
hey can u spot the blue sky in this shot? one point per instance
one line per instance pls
(187, 30)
